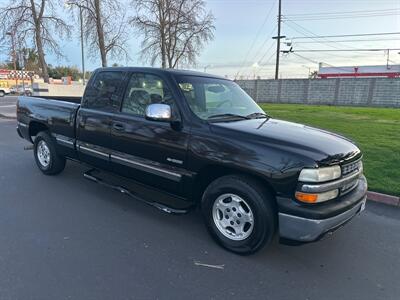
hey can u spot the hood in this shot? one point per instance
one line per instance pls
(322, 146)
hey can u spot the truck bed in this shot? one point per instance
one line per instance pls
(56, 114)
(70, 99)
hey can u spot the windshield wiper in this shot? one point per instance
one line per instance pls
(228, 116)
(258, 115)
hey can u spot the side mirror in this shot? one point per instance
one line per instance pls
(159, 112)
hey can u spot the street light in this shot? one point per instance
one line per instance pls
(71, 3)
(12, 34)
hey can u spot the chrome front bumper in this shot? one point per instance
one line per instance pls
(308, 230)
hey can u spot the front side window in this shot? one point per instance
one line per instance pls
(212, 98)
(143, 90)
(103, 93)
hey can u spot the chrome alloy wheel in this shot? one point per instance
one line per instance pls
(43, 154)
(233, 217)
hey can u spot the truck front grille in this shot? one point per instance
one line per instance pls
(351, 168)
(347, 170)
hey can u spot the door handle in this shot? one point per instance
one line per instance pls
(118, 126)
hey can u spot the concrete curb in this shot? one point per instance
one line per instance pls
(383, 198)
(7, 117)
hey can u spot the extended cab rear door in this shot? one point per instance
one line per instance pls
(151, 152)
(102, 98)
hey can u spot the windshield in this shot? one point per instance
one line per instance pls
(216, 99)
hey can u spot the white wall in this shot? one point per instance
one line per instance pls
(45, 89)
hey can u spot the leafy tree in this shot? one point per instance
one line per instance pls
(63, 71)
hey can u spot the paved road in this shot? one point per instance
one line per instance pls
(67, 238)
(8, 106)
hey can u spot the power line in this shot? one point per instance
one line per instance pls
(347, 50)
(342, 12)
(266, 40)
(306, 32)
(313, 35)
(268, 60)
(256, 37)
(266, 52)
(305, 58)
(346, 35)
(254, 59)
(353, 41)
(322, 63)
(262, 65)
(342, 17)
(324, 41)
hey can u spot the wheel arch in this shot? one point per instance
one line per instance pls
(210, 173)
(35, 127)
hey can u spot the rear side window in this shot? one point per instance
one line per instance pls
(104, 93)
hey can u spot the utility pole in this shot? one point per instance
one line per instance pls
(14, 54)
(387, 60)
(278, 40)
(79, 5)
(82, 45)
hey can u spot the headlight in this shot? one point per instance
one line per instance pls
(320, 174)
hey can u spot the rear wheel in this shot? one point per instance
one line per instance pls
(46, 156)
(2, 94)
(239, 213)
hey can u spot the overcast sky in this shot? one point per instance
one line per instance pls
(239, 21)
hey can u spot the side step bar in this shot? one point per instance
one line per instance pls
(89, 175)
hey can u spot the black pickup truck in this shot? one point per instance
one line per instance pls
(179, 139)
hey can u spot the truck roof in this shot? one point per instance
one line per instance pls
(176, 72)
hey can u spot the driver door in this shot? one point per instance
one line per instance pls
(150, 152)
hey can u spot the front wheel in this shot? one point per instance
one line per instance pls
(239, 213)
(46, 156)
(2, 94)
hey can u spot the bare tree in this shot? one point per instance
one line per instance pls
(313, 75)
(174, 31)
(105, 28)
(34, 23)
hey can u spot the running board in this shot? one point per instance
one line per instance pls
(89, 175)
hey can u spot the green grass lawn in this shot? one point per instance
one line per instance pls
(375, 130)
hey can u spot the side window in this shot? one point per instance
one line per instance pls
(103, 93)
(142, 90)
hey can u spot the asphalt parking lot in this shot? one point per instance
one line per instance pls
(64, 237)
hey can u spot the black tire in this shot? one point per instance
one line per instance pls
(2, 94)
(261, 203)
(56, 163)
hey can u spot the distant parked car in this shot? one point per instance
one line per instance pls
(13, 89)
(21, 90)
(4, 91)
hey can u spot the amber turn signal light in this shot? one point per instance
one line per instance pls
(307, 198)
